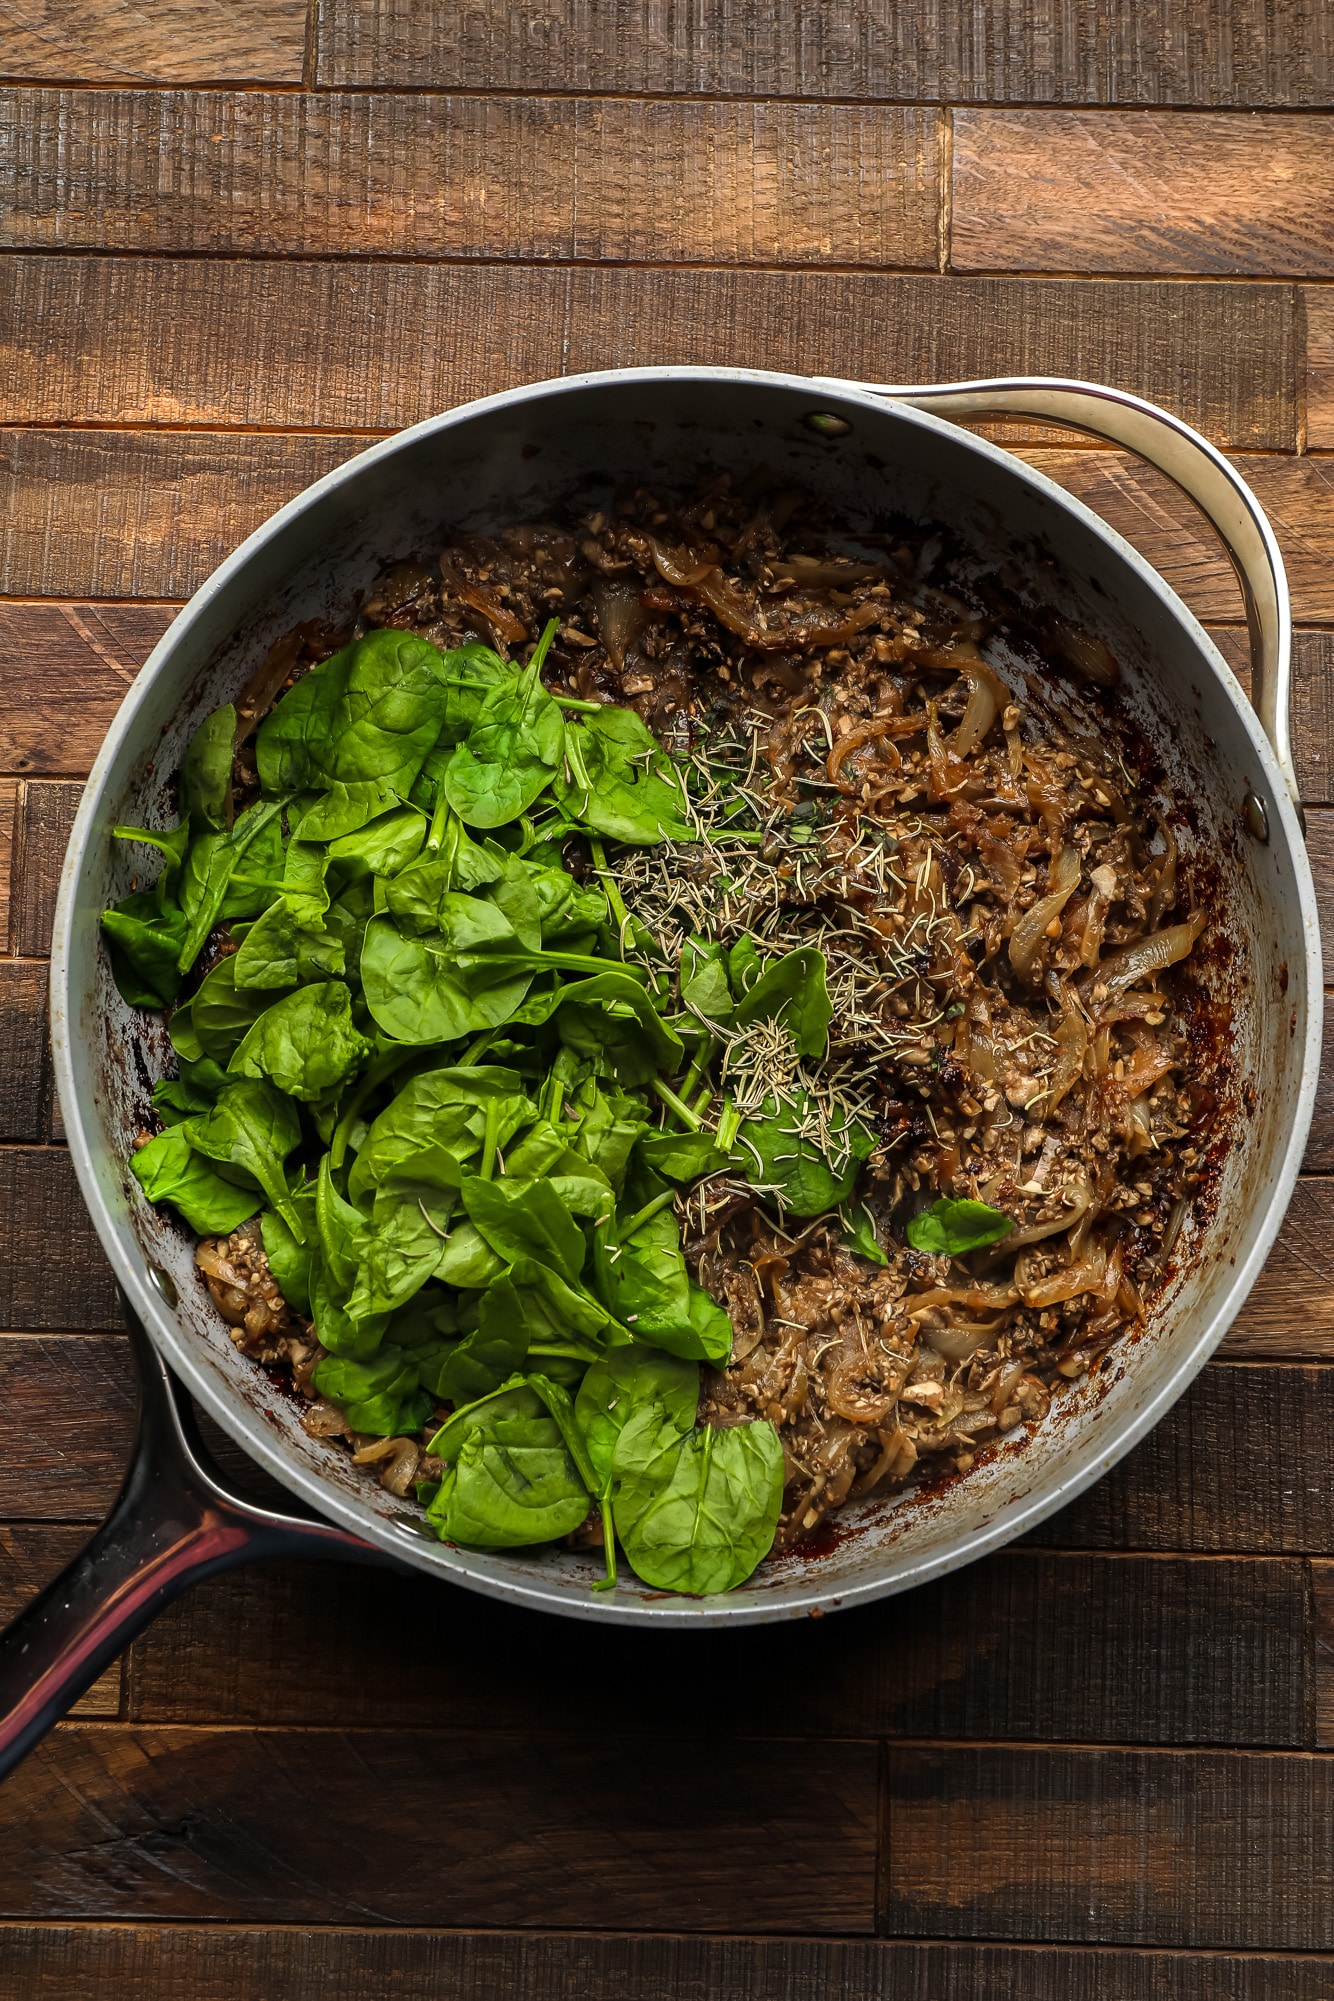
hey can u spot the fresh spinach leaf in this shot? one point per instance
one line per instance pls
(696, 1513)
(645, 1285)
(289, 1261)
(681, 1156)
(249, 1134)
(382, 847)
(195, 1090)
(953, 1228)
(773, 1151)
(306, 1043)
(216, 1019)
(169, 1170)
(440, 988)
(144, 945)
(792, 990)
(610, 1020)
(511, 1481)
(513, 750)
(379, 1396)
(493, 1352)
(445, 1106)
(526, 1219)
(625, 1381)
(859, 1233)
(206, 772)
(632, 793)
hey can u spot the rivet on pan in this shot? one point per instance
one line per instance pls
(826, 425)
(165, 1284)
(1257, 816)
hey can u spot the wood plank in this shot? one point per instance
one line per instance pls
(9, 799)
(128, 513)
(30, 1556)
(1115, 1649)
(89, 1962)
(54, 1273)
(1322, 1654)
(446, 1827)
(1320, 847)
(209, 343)
(1237, 1465)
(1312, 703)
(64, 670)
(25, 1073)
(133, 41)
(1155, 192)
(1118, 1847)
(480, 177)
(1318, 310)
(67, 1416)
(1221, 52)
(1296, 493)
(43, 818)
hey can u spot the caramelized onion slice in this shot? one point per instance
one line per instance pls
(1149, 955)
(987, 696)
(1029, 931)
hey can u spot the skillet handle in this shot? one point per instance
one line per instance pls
(173, 1524)
(1203, 475)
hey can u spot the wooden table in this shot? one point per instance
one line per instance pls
(237, 243)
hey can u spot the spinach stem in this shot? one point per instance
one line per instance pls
(641, 1216)
(575, 706)
(607, 1583)
(728, 1127)
(702, 1059)
(674, 1104)
(613, 889)
(489, 1143)
(437, 833)
(478, 1048)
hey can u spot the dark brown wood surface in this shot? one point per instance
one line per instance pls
(239, 241)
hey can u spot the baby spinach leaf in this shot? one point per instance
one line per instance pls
(631, 793)
(416, 895)
(195, 1090)
(173, 843)
(859, 1233)
(510, 1483)
(169, 1170)
(467, 1260)
(382, 847)
(610, 1020)
(705, 989)
(251, 1130)
(681, 1156)
(513, 750)
(290, 1261)
(358, 727)
(792, 990)
(292, 941)
(216, 1019)
(645, 1284)
(470, 674)
(772, 1150)
(560, 1318)
(206, 771)
(444, 1106)
(515, 896)
(440, 988)
(743, 966)
(379, 1396)
(339, 1224)
(398, 1256)
(493, 1352)
(696, 1513)
(144, 945)
(625, 1381)
(305, 1043)
(335, 1329)
(210, 865)
(954, 1228)
(526, 1219)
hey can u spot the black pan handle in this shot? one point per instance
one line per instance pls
(173, 1524)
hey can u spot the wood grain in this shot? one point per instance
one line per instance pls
(64, 670)
(44, 815)
(216, 343)
(1119, 1847)
(1322, 1654)
(1142, 191)
(54, 1274)
(30, 1556)
(1312, 703)
(437, 176)
(1117, 1649)
(129, 513)
(1320, 847)
(25, 1072)
(1318, 314)
(67, 1423)
(1221, 52)
(90, 1962)
(134, 41)
(446, 1827)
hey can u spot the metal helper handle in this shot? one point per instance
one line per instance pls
(1191, 463)
(173, 1524)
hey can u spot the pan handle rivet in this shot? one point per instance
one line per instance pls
(826, 425)
(164, 1283)
(1257, 816)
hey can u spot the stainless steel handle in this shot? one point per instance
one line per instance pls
(1191, 463)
